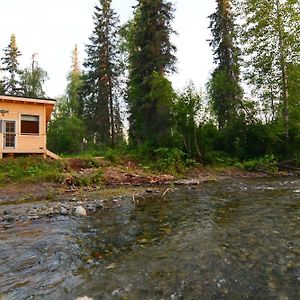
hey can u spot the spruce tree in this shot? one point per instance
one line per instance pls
(11, 68)
(74, 84)
(224, 87)
(151, 58)
(101, 79)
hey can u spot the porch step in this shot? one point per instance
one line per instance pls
(52, 155)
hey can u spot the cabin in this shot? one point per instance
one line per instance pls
(23, 126)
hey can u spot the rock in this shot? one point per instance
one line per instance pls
(149, 191)
(84, 298)
(8, 218)
(111, 266)
(63, 211)
(187, 182)
(8, 226)
(80, 211)
(91, 208)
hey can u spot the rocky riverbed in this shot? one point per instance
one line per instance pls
(67, 203)
(24, 202)
(228, 239)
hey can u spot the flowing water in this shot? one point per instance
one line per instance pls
(236, 239)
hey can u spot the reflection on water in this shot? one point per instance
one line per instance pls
(226, 240)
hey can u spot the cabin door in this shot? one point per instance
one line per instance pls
(9, 136)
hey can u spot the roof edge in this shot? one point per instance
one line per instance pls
(24, 97)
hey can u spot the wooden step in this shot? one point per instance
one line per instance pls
(52, 155)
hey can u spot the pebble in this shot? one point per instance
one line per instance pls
(63, 211)
(80, 211)
(8, 226)
(111, 266)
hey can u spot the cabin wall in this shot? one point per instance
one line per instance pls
(24, 143)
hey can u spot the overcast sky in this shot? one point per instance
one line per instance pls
(51, 28)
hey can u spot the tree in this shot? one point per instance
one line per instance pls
(32, 80)
(151, 58)
(74, 84)
(102, 76)
(65, 131)
(11, 68)
(187, 109)
(271, 36)
(224, 86)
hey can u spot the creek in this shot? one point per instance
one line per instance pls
(233, 239)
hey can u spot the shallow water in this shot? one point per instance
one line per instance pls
(236, 239)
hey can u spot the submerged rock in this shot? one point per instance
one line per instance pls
(80, 211)
(63, 211)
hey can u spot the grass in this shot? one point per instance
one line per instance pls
(86, 169)
(36, 169)
(30, 169)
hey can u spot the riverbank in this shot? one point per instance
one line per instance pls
(26, 200)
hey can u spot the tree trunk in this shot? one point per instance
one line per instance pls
(283, 70)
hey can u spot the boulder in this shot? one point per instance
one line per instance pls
(80, 211)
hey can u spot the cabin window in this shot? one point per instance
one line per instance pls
(30, 124)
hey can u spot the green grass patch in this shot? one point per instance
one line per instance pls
(28, 169)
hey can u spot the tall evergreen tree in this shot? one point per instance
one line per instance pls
(151, 57)
(74, 84)
(1, 82)
(271, 36)
(224, 87)
(32, 80)
(11, 68)
(101, 79)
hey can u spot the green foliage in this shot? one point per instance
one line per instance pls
(32, 80)
(11, 83)
(271, 43)
(267, 164)
(171, 160)
(65, 132)
(186, 113)
(223, 98)
(1, 87)
(102, 77)
(150, 57)
(206, 136)
(36, 169)
(224, 87)
(152, 118)
(74, 84)
(29, 169)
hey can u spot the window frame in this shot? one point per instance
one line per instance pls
(30, 133)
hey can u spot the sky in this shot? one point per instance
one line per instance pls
(51, 28)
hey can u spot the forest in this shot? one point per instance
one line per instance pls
(121, 100)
